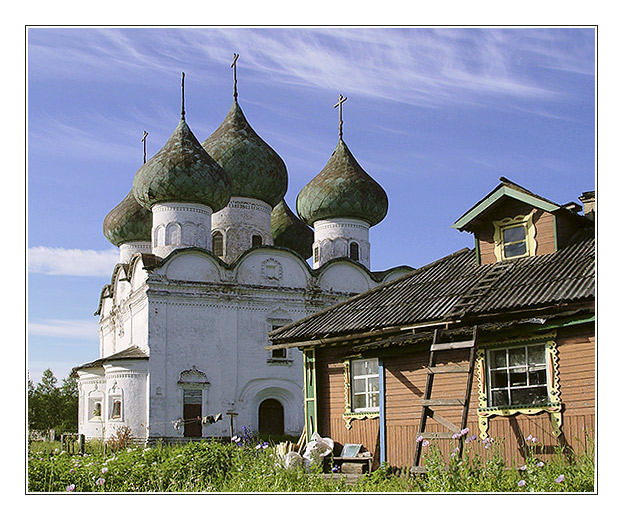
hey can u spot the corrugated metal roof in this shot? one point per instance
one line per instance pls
(445, 289)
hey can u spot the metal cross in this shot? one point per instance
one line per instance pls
(144, 140)
(233, 66)
(341, 100)
(183, 111)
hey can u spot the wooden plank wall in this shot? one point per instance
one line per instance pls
(543, 222)
(405, 379)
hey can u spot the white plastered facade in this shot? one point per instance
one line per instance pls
(202, 325)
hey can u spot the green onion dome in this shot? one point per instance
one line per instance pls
(128, 222)
(342, 190)
(254, 169)
(289, 231)
(182, 171)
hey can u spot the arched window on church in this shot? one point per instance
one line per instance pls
(256, 240)
(354, 251)
(217, 243)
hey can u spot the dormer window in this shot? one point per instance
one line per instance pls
(514, 237)
(514, 241)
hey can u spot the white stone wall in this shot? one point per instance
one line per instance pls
(91, 390)
(100, 387)
(130, 248)
(177, 225)
(238, 222)
(205, 326)
(332, 239)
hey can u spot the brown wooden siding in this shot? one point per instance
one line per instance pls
(404, 386)
(543, 222)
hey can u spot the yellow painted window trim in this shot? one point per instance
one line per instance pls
(554, 408)
(349, 416)
(520, 220)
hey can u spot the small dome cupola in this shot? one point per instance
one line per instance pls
(177, 182)
(289, 231)
(342, 190)
(342, 202)
(258, 177)
(128, 226)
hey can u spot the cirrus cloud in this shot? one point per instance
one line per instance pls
(71, 262)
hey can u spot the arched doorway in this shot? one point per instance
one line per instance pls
(270, 417)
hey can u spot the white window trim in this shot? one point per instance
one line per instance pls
(367, 394)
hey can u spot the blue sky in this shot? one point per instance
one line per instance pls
(435, 115)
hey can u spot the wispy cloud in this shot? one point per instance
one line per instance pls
(421, 66)
(69, 329)
(72, 262)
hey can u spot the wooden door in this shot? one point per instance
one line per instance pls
(192, 413)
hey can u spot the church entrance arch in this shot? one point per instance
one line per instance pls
(270, 417)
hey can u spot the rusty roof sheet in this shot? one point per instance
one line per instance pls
(455, 287)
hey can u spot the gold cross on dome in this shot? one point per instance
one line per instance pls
(144, 140)
(341, 100)
(233, 66)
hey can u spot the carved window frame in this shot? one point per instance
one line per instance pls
(554, 405)
(349, 415)
(500, 226)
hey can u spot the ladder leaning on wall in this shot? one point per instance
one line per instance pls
(428, 403)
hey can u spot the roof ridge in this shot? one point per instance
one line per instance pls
(378, 288)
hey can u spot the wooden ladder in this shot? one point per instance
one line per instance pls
(428, 403)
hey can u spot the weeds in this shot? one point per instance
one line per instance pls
(250, 465)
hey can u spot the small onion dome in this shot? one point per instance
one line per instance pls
(128, 222)
(289, 231)
(255, 170)
(182, 171)
(342, 189)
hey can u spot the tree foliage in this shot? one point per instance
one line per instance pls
(51, 406)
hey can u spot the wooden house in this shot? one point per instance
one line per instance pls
(498, 339)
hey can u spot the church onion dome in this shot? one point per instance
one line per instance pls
(342, 190)
(128, 222)
(289, 231)
(182, 171)
(254, 169)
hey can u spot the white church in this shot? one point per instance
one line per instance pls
(211, 259)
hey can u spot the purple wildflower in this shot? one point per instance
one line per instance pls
(71, 487)
(419, 439)
(100, 481)
(464, 431)
(456, 435)
(472, 438)
(540, 464)
(425, 443)
(523, 468)
(560, 479)
(521, 483)
(104, 471)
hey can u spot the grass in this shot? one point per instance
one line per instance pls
(254, 467)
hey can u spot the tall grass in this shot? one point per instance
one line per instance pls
(254, 467)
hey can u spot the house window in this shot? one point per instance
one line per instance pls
(514, 237)
(316, 254)
(517, 376)
(279, 354)
(256, 240)
(354, 251)
(217, 243)
(97, 409)
(365, 385)
(514, 241)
